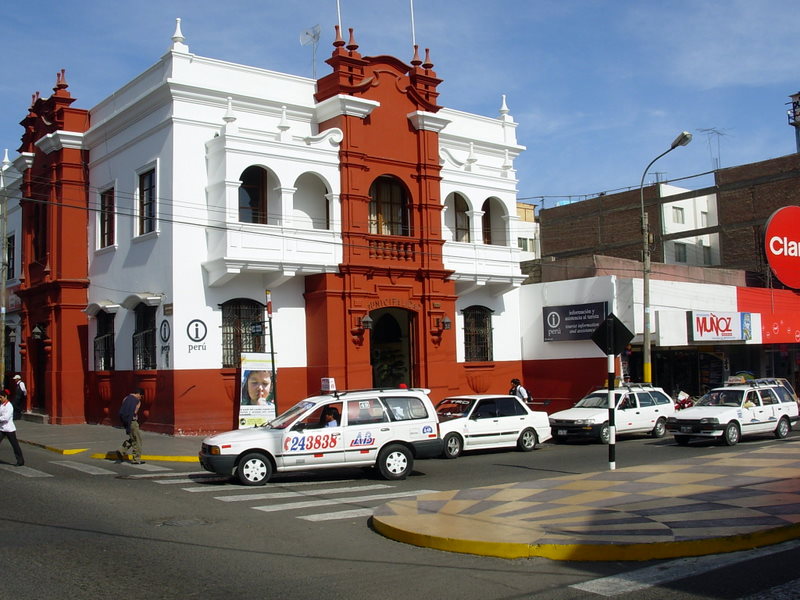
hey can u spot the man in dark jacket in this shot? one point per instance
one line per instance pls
(129, 415)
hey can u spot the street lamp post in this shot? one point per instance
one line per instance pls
(683, 138)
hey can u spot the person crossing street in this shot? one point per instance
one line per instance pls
(129, 415)
(7, 427)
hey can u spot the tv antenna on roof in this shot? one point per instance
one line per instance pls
(311, 36)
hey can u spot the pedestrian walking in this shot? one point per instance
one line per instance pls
(519, 391)
(129, 415)
(19, 396)
(7, 427)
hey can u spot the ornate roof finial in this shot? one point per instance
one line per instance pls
(61, 81)
(351, 45)
(503, 106)
(229, 116)
(339, 41)
(416, 60)
(178, 39)
(427, 64)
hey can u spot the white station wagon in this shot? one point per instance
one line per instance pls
(730, 412)
(640, 408)
(489, 421)
(386, 429)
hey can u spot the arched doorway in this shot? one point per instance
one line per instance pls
(391, 348)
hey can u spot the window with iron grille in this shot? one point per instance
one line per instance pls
(147, 202)
(107, 218)
(11, 265)
(477, 334)
(388, 208)
(238, 316)
(144, 338)
(104, 342)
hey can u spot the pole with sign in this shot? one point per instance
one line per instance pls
(612, 337)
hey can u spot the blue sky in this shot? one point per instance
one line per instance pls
(598, 87)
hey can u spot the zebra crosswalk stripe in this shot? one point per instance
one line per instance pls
(25, 471)
(283, 495)
(83, 467)
(330, 501)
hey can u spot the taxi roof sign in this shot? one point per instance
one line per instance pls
(328, 384)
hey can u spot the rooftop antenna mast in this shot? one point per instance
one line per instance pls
(413, 28)
(718, 133)
(311, 36)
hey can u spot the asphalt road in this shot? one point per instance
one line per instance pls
(89, 529)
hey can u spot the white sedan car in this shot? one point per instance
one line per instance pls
(479, 421)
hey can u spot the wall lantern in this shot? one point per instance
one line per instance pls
(38, 333)
(366, 322)
(12, 336)
(446, 323)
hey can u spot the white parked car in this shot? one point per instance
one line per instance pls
(640, 408)
(386, 429)
(478, 421)
(733, 411)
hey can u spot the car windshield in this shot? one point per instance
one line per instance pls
(454, 407)
(721, 397)
(595, 400)
(285, 419)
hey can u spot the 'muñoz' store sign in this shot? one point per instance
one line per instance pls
(782, 244)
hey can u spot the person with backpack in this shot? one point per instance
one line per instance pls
(519, 391)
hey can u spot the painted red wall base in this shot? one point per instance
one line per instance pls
(563, 382)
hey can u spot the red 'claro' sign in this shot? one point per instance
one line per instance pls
(782, 244)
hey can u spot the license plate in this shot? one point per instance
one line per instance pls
(562, 432)
(686, 429)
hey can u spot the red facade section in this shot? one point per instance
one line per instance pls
(54, 275)
(400, 274)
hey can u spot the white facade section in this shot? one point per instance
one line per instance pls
(671, 301)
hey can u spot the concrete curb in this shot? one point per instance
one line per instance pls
(591, 552)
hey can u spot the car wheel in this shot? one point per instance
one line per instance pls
(783, 428)
(660, 429)
(682, 440)
(453, 446)
(527, 440)
(730, 436)
(254, 469)
(395, 462)
(605, 434)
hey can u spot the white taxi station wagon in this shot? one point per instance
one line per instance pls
(386, 428)
(733, 411)
(640, 408)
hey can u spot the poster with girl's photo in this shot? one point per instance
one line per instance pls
(257, 390)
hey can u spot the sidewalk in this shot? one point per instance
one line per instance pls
(747, 498)
(102, 441)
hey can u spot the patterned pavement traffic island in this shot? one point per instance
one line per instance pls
(688, 508)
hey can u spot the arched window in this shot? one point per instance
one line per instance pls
(237, 336)
(486, 222)
(144, 338)
(388, 207)
(477, 333)
(462, 218)
(253, 196)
